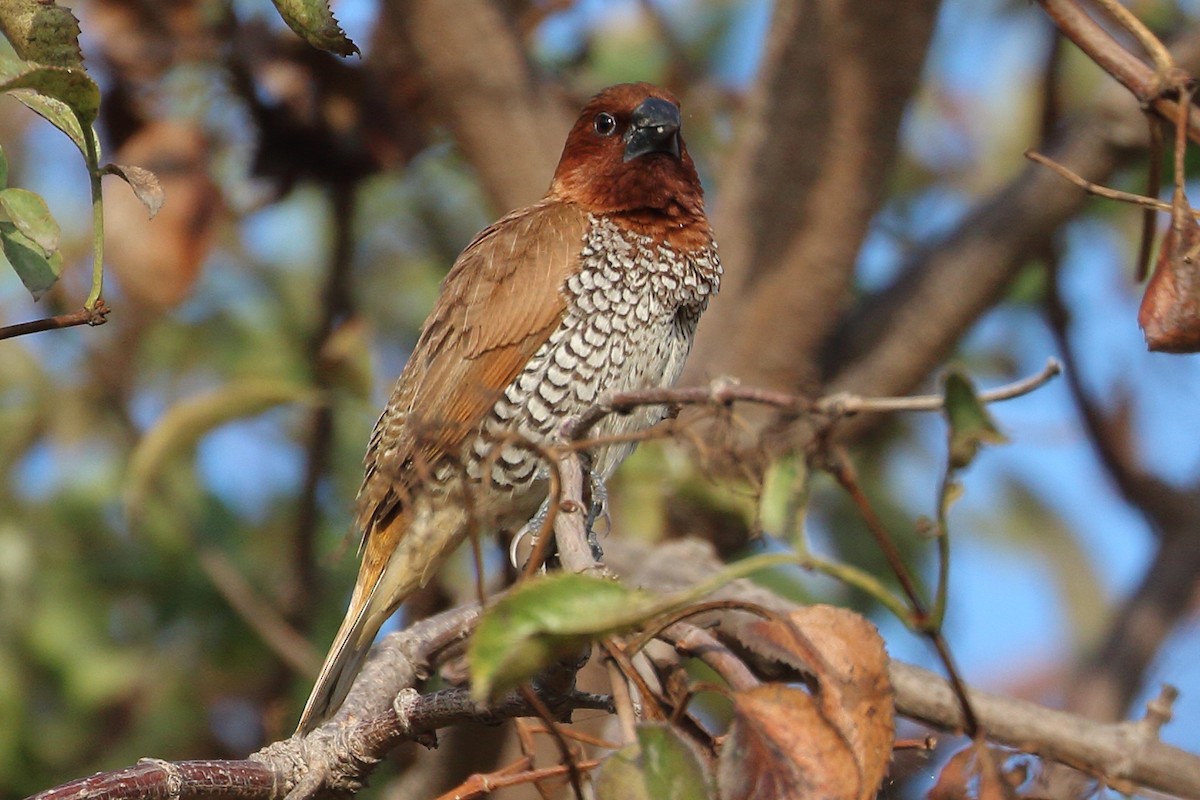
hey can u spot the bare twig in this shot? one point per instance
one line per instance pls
(621, 699)
(724, 392)
(485, 785)
(94, 316)
(1094, 188)
(694, 641)
(1147, 85)
(271, 627)
(1157, 51)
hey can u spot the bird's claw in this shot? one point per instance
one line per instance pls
(531, 529)
(597, 511)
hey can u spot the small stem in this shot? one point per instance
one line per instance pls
(943, 547)
(85, 316)
(838, 465)
(863, 581)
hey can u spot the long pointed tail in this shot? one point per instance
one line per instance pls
(398, 558)
(345, 659)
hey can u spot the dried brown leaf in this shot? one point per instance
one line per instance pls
(845, 654)
(158, 260)
(954, 780)
(974, 773)
(1170, 312)
(780, 745)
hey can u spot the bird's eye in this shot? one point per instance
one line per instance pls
(605, 124)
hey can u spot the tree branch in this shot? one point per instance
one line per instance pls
(1118, 752)
(97, 315)
(892, 340)
(816, 140)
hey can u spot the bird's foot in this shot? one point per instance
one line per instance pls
(532, 529)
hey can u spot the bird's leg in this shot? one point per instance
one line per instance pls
(597, 505)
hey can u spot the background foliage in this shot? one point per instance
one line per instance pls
(175, 486)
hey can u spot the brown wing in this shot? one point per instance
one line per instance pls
(499, 303)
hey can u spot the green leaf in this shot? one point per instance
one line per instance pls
(548, 618)
(971, 425)
(37, 270)
(69, 85)
(144, 183)
(662, 765)
(545, 619)
(183, 425)
(57, 113)
(41, 32)
(314, 22)
(28, 211)
(3, 169)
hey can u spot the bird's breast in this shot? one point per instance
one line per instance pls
(632, 310)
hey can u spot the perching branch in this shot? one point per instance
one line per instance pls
(1120, 753)
(97, 315)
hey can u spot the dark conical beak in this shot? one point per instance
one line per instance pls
(654, 128)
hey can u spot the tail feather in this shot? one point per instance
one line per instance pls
(345, 659)
(398, 558)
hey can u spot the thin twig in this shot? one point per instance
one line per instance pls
(838, 465)
(1146, 84)
(724, 392)
(1095, 188)
(485, 785)
(621, 699)
(846, 404)
(695, 641)
(564, 749)
(97, 315)
(271, 627)
(1154, 48)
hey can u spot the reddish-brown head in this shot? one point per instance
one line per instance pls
(625, 156)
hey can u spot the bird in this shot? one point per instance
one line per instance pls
(597, 288)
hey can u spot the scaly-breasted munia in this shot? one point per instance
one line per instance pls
(595, 289)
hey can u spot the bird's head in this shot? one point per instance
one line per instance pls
(625, 155)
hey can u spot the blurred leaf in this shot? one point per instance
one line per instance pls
(144, 183)
(42, 32)
(971, 425)
(345, 358)
(69, 85)
(3, 169)
(159, 261)
(1039, 533)
(37, 270)
(314, 22)
(183, 425)
(28, 211)
(550, 617)
(662, 765)
(547, 618)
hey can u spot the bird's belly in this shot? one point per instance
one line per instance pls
(631, 314)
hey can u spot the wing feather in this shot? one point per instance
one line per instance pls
(500, 301)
